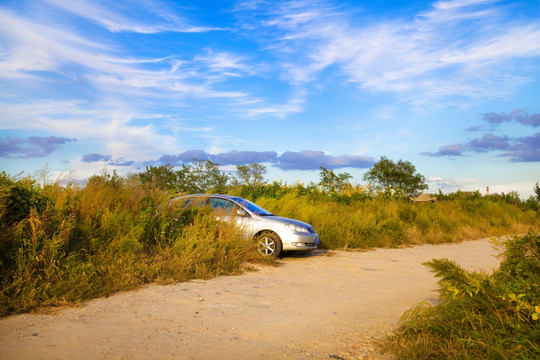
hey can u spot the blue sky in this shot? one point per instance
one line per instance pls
(451, 86)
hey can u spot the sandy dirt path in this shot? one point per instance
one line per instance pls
(318, 306)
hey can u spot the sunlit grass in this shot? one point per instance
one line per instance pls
(480, 316)
(61, 243)
(390, 222)
(66, 244)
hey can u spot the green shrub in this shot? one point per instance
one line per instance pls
(480, 316)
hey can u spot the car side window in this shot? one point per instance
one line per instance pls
(223, 205)
(189, 203)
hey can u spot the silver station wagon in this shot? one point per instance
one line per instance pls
(274, 234)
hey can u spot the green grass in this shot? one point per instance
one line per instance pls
(480, 316)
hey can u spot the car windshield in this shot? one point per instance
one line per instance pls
(252, 207)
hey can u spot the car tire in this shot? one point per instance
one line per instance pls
(269, 244)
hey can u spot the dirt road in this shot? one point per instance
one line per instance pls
(321, 306)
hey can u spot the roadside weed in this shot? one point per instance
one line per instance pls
(480, 316)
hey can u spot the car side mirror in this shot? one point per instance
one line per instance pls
(241, 212)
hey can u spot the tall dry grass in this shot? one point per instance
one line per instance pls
(65, 244)
(383, 222)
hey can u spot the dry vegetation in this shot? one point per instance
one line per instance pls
(358, 218)
(64, 243)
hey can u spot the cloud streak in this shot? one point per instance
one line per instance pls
(518, 115)
(40, 52)
(313, 160)
(422, 60)
(31, 147)
(518, 149)
(106, 159)
(289, 160)
(122, 17)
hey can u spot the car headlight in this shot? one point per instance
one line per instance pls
(295, 228)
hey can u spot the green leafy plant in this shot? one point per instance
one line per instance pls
(480, 316)
(333, 182)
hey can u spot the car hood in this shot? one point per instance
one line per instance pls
(285, 220)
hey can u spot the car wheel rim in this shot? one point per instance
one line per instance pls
(267, 246)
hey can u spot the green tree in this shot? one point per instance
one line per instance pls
(163, 176)
(386, 174)
(199, 177)
(251, 174)
(537, 191)
(204, 176)
(331, 181)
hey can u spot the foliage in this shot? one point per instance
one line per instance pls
(536, 190)
(386, 174)
(348, 193)
(333, 182)
(19, 198)
(199, 177)
(532, 204)
(64, 244)
(162, 176)
(250, 174)
(205, 177)
(480, 316)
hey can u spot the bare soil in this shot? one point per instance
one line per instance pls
(321, 305)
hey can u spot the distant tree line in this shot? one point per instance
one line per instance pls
(205, 176)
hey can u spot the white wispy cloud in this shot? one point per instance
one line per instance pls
(456, 46)
(110, 127)
(457, 10)
(515, 42)
(35, 51)
(294, 104)
(30, 46)
(225, 64)
(122, 17)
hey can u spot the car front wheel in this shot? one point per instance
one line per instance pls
(269, 244)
